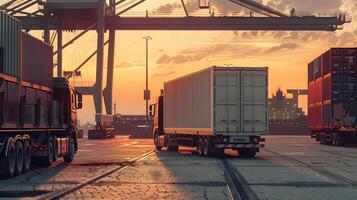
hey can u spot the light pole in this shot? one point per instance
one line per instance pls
(147, 91)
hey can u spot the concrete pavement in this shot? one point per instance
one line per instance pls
(290, 167)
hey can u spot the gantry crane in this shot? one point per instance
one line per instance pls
(101, 15)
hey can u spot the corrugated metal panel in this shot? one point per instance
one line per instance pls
(310, 72)
(326, 63)
(254, 101)
(318, 91)
(10, 40)
(188, 101)
(37, 66)
(326, 91)
(240, 101)
(317, 68)
(311, 117)
(227, 101)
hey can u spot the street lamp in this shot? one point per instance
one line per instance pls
(147, 91)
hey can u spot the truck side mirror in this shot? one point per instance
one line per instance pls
(152, 110)
(79, 101)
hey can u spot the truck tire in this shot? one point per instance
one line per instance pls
(246, 153)
(157, 143)
(27, 156)
(71, 151)
(19, 155)
(200, 146)
(170, 146)
(55, 148)
(8, 162)
(207, 146)
(48, 159)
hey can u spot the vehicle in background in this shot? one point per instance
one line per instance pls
(332, 97)
(214, 109)
(103, 129)
(38, 113)
(133, 125)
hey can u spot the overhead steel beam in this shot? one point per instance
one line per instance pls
(98, 100)
(16, 10)
(191, 23)
(7, 4)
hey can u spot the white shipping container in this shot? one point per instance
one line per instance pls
(224, 101)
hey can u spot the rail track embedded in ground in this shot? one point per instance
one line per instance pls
(59, 194)
(317, 169)
(237, 184)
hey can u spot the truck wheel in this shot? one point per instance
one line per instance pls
(8, 162)
(207, 147)
(55, 148)
(246, 153)
(170, 146)
(48, 159)
(157, 143)
(19, 154)
(199, 146)
(70, 156)
(27, 156)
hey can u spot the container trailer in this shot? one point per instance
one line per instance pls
(212, 110)
(332, 97)
(38, 113)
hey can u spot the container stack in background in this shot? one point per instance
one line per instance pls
(26, 77)
(21, 54)
(10, 37)
(332, 99)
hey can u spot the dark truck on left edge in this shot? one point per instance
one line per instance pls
(38, 113)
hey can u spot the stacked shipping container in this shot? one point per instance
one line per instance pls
(332, 101)
(26, 77)
(10, 45)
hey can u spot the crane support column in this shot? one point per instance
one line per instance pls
(108, 91)
(59, 52)
(100, 61)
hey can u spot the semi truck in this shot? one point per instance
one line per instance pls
(38, 113)
(212, 110)
(332, 97)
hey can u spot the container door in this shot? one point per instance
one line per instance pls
(227, 102)
(254, 102)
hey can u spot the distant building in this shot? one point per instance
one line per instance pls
(285, 116)
(133, 125)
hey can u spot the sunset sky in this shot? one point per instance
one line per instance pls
(176, 53)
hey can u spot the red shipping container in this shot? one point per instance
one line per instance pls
(317, 116)
(326, 88)
(318, 92)
(311, 117)
(317, 68)
(333, 98)
(326, 63)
